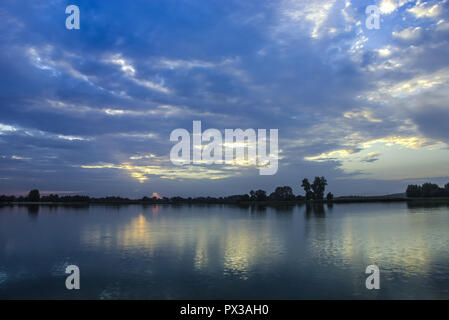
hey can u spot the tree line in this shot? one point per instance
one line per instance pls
(427, 190)
(314, 191)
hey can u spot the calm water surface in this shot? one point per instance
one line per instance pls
(217, 251)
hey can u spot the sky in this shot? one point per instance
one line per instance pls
(90, 111)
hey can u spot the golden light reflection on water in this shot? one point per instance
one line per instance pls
(137, 234)
(235, 247)
(238, 254)
(404, 249)
(155, 210)
(213, 251)
(241, 245)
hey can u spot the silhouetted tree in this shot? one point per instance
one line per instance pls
(318, 187)
(235, 198)
(252, 195)
(430, 190)
(427, 190)
(261, 195)
(5, 198)
(306, 186)
(50, 198)
(34, 195)
(329, 196)
(282, 194)
(413, 190)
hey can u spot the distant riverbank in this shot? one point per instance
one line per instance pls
(221, 201)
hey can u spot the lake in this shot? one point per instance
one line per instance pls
(225, 251)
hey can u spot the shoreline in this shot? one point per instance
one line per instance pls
(211, 202)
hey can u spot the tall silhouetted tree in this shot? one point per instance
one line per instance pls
(34, 195)
(318, 187)
(306, 186)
